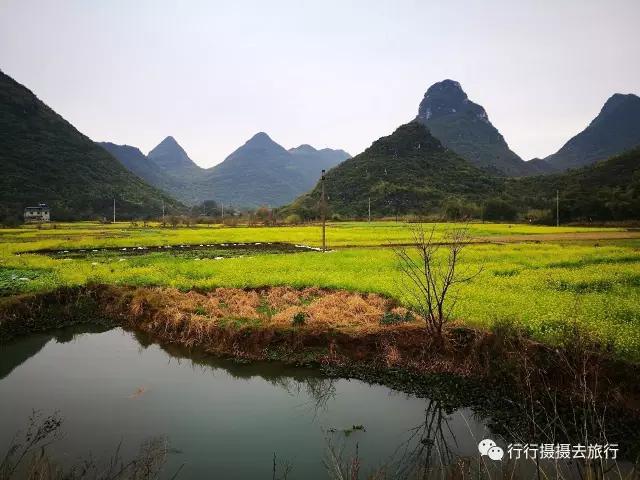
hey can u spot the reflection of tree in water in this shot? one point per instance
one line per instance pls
(319, 390)
(427, 447)
(426, 452)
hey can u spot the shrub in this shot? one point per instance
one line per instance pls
(200, 310)
(394, 318)
(457, 209)
(299, 319)
(500, 210)
(292, 219)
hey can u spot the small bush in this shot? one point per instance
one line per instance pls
(508, 328)
(293, 219)
(265, 309)
(393, 318)
(200, 310)
(299, 319)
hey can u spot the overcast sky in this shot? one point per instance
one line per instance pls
(330, 73)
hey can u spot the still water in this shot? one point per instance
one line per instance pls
(221, 419)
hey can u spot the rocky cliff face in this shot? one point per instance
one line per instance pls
(464, 127)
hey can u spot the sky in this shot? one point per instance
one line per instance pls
(336, 74)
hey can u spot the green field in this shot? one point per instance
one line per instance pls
(544, 284)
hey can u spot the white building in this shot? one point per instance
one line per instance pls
(41, 213)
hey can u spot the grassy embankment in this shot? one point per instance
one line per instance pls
(544, 288)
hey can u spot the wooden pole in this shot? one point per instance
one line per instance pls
(114, 210)
(323, 212)
(557, 208)
(369, 209)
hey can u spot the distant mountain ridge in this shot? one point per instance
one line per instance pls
(135, 161)
(43, 158)
(414, 170)
(614, 130)
(260, 172)
(255, 173)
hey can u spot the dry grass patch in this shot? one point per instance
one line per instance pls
(275, 307)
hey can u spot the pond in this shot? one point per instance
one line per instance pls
(219, 417)
(215, 251)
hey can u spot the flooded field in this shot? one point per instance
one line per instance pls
(218, 250)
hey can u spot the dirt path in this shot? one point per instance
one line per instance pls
(551, 237)
(531, 238)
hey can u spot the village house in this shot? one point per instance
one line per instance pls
(41, 213)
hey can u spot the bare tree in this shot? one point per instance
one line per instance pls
(431, 270)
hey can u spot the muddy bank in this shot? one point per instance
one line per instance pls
(502, 374)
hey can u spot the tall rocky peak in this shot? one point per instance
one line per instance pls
(464, 127)
(445, 98)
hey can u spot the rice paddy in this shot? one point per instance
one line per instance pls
(545, 280)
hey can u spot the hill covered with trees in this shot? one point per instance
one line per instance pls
(411, 172)
(43, 158)
(607, 190)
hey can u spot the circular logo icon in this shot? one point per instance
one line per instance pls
(496, 453)
(485, 445)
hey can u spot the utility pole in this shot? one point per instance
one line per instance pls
(323, 213)
(369, 209)
(222, 211)
(557, 208)
(163, 213)
(114, 210)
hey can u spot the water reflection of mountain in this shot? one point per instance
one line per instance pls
(16, 352)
